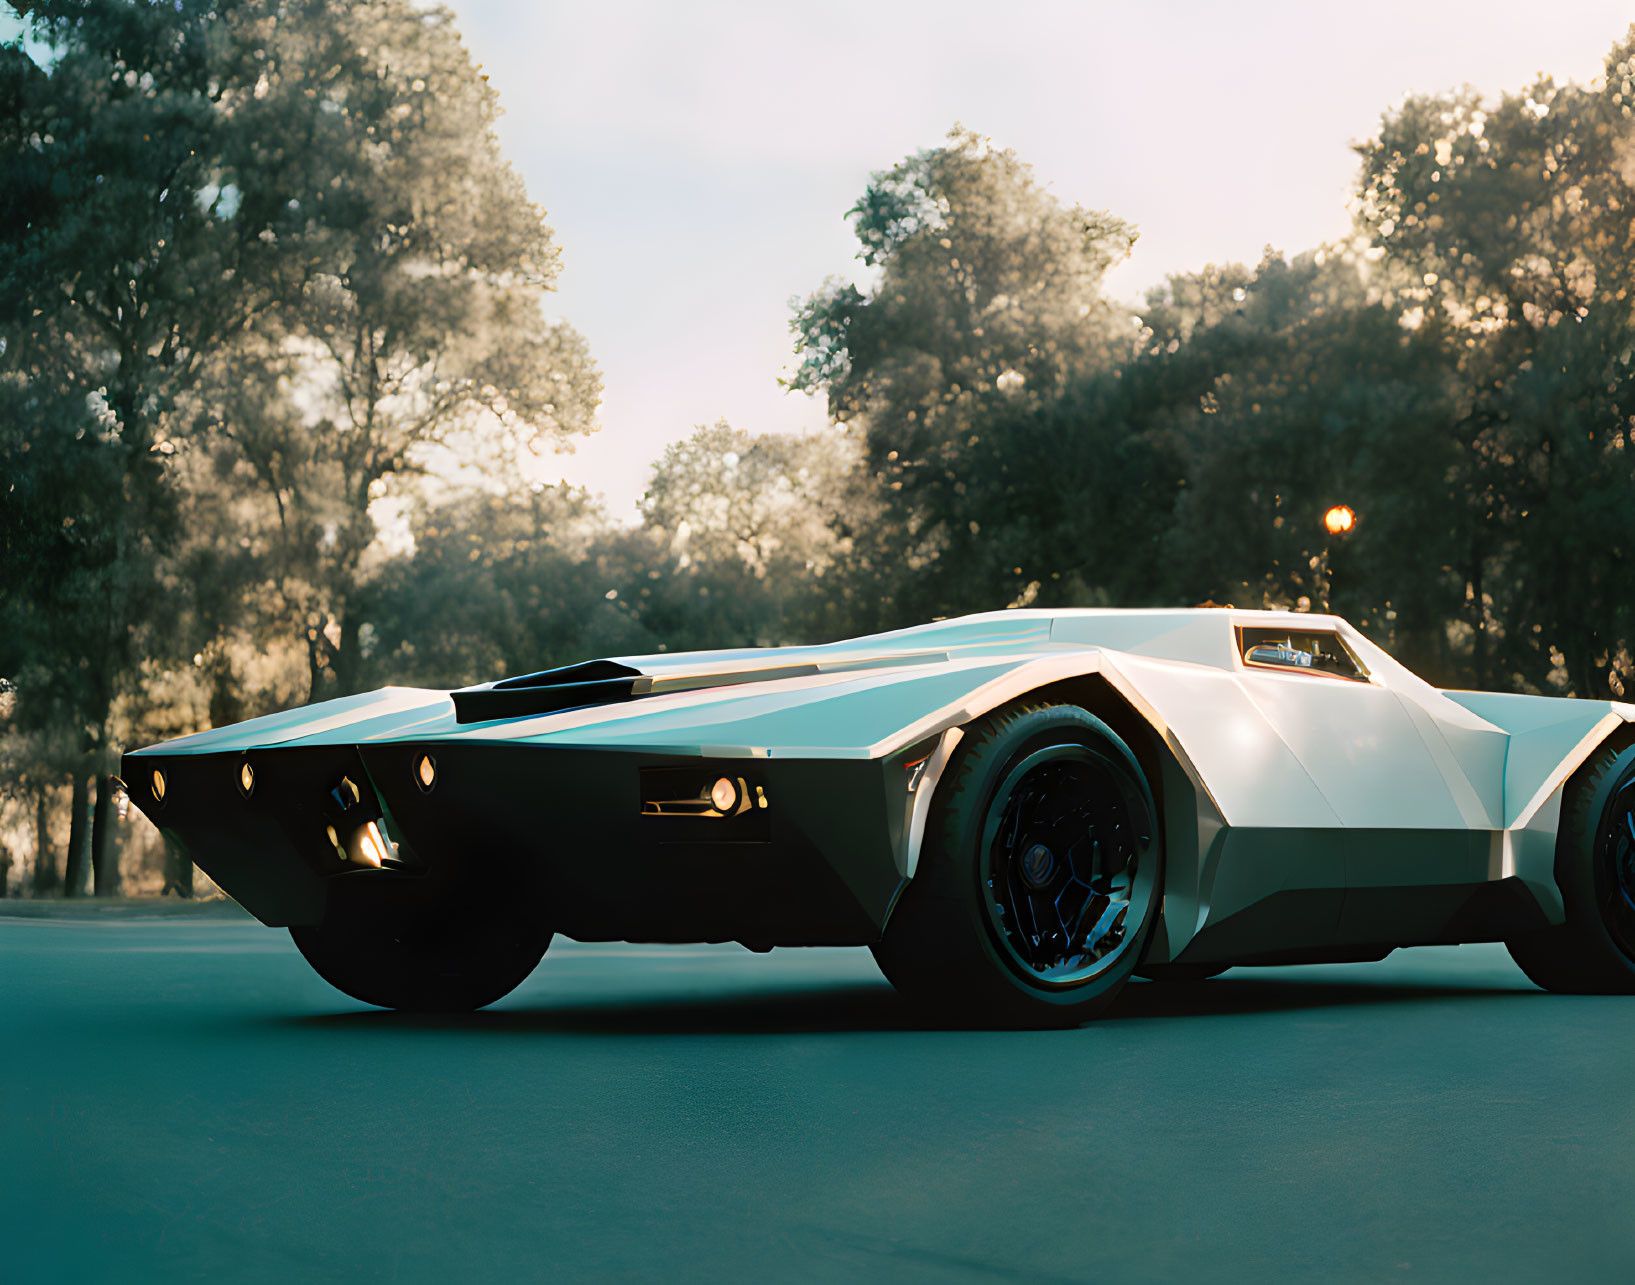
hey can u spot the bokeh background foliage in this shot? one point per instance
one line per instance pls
(276, 351)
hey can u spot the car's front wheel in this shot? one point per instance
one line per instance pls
(401, 942)
(1593, 952)
(1039, 878)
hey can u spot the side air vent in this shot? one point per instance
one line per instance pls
(595, 682)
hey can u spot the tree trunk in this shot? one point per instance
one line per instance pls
(178, 871)
(104, 845)
(346, 654)
(73, 883)
(225, 706)
(45, 861)
(315, 664)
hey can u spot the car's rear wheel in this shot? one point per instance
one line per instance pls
(1039, 878)
(1593, 952)
(405, 943)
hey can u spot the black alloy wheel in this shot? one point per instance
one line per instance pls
(1039, 878)
(1059, 860)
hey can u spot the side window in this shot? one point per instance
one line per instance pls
(1312, 651)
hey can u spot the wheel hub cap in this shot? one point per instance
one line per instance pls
(1038, 864)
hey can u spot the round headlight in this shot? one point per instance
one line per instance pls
(724, 795)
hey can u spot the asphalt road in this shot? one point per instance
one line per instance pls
(181, 1099)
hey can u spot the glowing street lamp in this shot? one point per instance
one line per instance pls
(1339, 520)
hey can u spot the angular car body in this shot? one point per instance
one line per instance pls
(1284, 791)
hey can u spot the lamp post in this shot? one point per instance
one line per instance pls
(1338, 521)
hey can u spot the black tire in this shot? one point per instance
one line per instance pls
(1593, 952)
(1042, 772)
(398, 943)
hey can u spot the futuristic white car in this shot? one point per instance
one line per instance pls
(1016, 811)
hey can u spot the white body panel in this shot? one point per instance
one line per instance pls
(1264, 750)
(1287, 793)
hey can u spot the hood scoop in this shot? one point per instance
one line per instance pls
(592, 682)
(607, 682)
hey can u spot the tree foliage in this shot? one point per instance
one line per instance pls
(1506, 228)
(987, 303)
(418, 334)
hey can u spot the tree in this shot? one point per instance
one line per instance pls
(1298, 390)
(1507, 226)
(57, 547)
(768, 511)
(118, 272)
(988, 301)
(418, 336)
(507, 584)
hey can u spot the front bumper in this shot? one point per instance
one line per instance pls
(822, 866)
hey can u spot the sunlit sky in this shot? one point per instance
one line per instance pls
(697, 159)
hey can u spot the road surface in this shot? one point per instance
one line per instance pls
(182, 1099)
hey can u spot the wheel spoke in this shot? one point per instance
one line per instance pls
(1090, 912)
(1111, 918)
